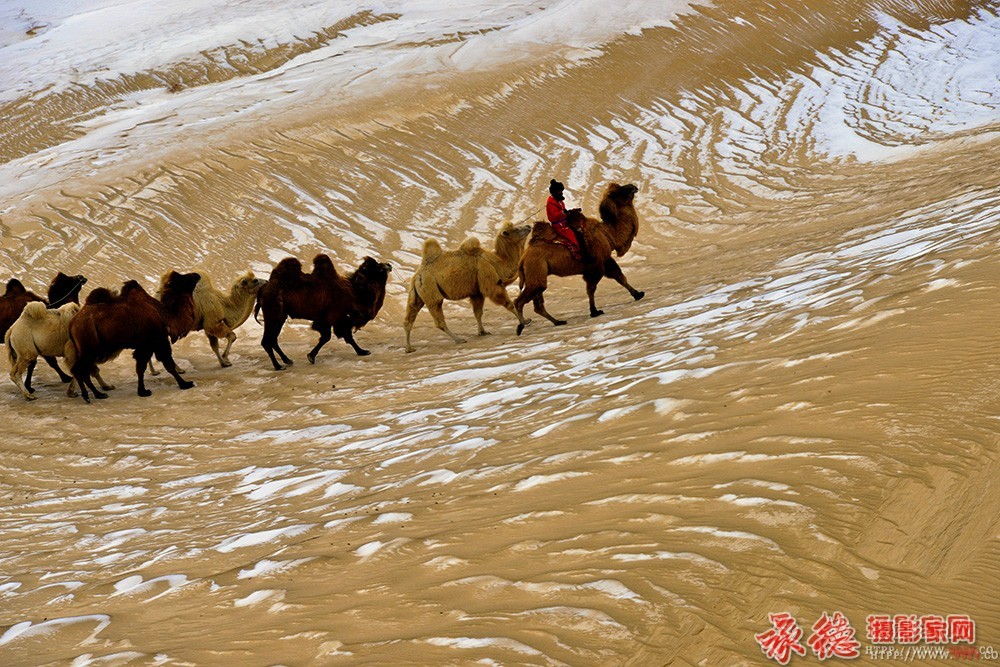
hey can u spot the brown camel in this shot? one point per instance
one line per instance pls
(329, 300)
(13, 301)
(467, 273)
(109, 323)
(545, 257)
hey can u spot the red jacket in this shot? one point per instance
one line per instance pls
(555, 209)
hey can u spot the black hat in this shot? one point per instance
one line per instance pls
(555, 187)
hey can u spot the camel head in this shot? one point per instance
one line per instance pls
(65, 288)
(374, 271)
(621, 195)
(249, 283)
(515, 233)
(368, 285)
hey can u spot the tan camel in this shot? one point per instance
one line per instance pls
(467, 273)
(545, 257)
(36, 333)
(219, 313)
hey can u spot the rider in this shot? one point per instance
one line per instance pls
(555, 208)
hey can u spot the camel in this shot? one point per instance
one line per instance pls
(65, 289)
(13, 301)
(217, 313)
(62, 289)
(329, 300)
(109, 323)
(467, 273)
(544, 257)
(39, 331)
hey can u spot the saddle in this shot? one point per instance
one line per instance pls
(542, 232)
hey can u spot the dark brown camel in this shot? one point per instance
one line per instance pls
(329, 300)
(109, 323)
(545, 257)
(13, 302)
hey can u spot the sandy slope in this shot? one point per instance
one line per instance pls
(799, 416)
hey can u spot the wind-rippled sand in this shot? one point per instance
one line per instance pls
(800, 415)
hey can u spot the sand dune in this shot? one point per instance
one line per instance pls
(799, 416)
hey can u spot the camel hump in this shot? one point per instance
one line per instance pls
(34, 310)
(471, 246)
(100, 295)
(432, 250)
(323, 266)
(289, 267)
(133, 287)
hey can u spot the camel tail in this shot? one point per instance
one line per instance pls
(256, 308)
(11, 352)
(432, 250)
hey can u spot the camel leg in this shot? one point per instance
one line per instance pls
(16, 369)
(96, 374)
(81, 373)
(437, 312)
(142, 357)
(51, 361)
(500, 297)
(166, 357)
(539, 304)
(535, 279)
(413, 305)
(613, 271)
(221, 331)
(269, 340)
(522, 298)
(27, 378)
(592, 278)
(281, 353)
(324, 337)
(345, 330)
(230, 339)
(477, 310)
(97, 394)
(153, 371)
(223, 357)
(534, 294)
(213, 341)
